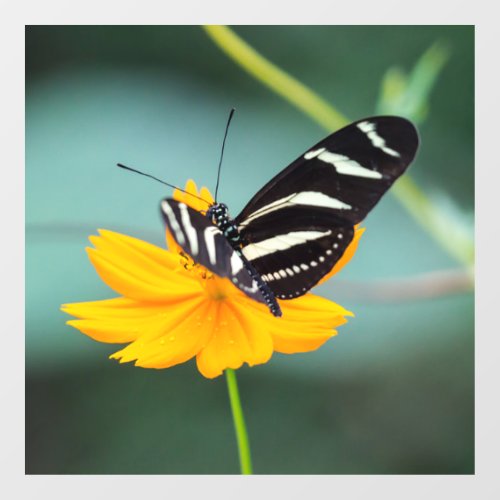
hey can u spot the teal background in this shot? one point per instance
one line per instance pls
(393, 393)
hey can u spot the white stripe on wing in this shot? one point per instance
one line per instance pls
(304, 198)
(281, 242)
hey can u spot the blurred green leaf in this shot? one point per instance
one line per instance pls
(408, 95)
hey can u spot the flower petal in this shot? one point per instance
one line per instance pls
(119, 320)
(172, 342)
(206, 195)
(306, 324)
(118, 308)
(191, 197)
(139, 270)
(149, 253)
(237, 339)
(149, 259)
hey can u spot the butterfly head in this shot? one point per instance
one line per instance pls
(218, 213)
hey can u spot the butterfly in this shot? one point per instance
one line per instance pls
(295, 229)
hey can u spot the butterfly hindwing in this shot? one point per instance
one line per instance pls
(292, 262)
(206, 244)
(300, 250)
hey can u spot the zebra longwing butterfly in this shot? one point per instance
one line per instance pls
(294, 230)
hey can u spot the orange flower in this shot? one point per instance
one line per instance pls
(172, 309)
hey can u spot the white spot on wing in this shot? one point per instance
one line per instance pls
(369, 129)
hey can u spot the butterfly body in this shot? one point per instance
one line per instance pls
(218, 213)
(295, 229)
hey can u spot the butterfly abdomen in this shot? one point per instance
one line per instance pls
(265, 290)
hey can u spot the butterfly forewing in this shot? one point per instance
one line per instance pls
(206, 244)
(347, 173)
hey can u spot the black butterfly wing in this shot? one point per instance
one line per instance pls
(296, 258)
(206, 244)
(331, 187)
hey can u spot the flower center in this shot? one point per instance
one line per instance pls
(190, 265)
(215, 287)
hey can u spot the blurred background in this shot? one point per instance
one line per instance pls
(393, 393)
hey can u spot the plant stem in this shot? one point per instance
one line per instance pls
(239, 423)
(274, 77)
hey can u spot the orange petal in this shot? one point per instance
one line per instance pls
(200, 201)
(290, 343)
(236, 340)
(149, 253)
(118, 308)
(139, 270)
(148, 259)
(206, 195)
(308, 309)
(307, 322)
(172, 343)
(113, 332)
(121, 320)
(172, 245)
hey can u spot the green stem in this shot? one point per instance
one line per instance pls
(279, 81)
(239, 423)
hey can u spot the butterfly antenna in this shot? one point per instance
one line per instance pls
(231, 113)
(162, 182)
